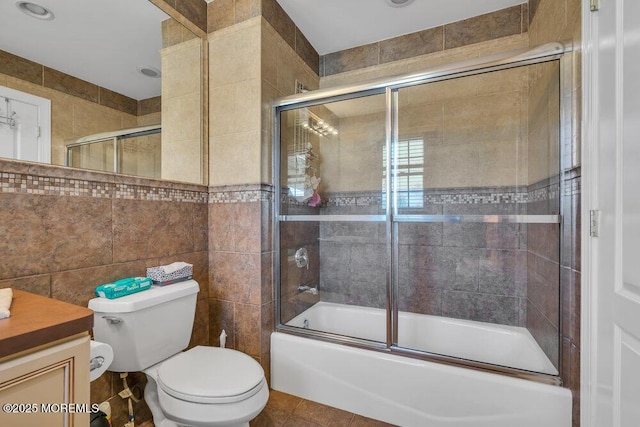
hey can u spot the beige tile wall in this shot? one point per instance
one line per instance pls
(182, 151)
(235, 102)
(250, 66)
(475, 128)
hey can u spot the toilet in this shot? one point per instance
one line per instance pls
(203, 386)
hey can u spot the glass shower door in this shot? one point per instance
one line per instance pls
(468, 156)
(332, 224)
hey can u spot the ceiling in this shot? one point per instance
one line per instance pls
(100, 41)
(105, 41)
(333, 25)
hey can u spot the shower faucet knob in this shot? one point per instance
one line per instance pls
(301, 258)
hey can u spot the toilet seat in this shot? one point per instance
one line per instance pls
(211, 375)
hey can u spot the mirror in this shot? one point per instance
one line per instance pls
(109, 72)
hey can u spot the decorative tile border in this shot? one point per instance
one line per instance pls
(137, 192)
(11, 182)
(476, 197)
(544, 190)
(30, 184)
(241, 194)
(552, 191)
(52, 186)
(430, 197)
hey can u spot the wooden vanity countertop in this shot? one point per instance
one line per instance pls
(36, 320)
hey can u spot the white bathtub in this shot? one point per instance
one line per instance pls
(484, 342)
(404, 391)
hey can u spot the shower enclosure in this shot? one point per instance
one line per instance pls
(420, 215)
(134, 151)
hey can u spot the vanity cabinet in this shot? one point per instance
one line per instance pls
(48, 386)
(44, 363)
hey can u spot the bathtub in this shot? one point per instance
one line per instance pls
(411, 392)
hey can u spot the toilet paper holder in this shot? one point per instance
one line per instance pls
(100, 358)
(96, 362)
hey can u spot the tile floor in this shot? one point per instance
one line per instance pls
(285, 410)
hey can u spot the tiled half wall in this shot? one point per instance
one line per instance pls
(241, 297)
(66, 231)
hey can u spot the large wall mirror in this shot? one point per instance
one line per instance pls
(122, 83)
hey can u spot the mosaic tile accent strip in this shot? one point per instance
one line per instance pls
(447, 196)
(576, 186)
(360, 198)
(241, 194)
(573, 181)
(51, 186)
(544, 190)
(476, 198)
(30, 184)
(137, 192)
(545, 193)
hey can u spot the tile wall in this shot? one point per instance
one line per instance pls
(78, 108)
(270, 53)
(469, 271)
(67, 231)
(552, 20)
(183, 156)
(190, 12)
(543, 254)
(491, 26)
(472, 167)
(243, 85)
(226, 13)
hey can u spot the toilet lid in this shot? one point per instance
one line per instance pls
(211, 375)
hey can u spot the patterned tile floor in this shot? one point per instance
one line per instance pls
(285, 410)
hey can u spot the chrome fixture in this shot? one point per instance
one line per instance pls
(307, 289)
(35, 10)
(113, 320)
(7, 119)
(315, 124)
(301, 258)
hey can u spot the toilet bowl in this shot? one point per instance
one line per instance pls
(201, 387)
(207, 386)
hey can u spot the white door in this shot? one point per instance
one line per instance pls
(25, 126)
(611, 308)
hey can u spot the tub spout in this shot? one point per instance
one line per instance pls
(307, 289)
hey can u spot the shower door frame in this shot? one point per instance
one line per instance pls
(563, 53)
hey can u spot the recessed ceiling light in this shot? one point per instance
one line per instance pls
(35, 10)
(149, 71)
(398, 3)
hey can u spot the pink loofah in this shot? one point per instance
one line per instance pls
(315, 199)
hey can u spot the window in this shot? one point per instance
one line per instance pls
(409, 179)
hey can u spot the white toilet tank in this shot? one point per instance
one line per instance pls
(146, 327)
